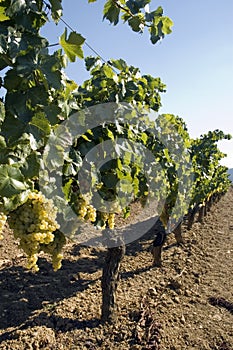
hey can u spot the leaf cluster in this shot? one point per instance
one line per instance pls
(137, 14)
(210, 176)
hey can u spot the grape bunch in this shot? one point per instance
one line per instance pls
(106, 220)
(54, 249)
(34, 223)
(3, 219)
(111, 220)
(85, 210)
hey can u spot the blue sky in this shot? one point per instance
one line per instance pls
(195, 61)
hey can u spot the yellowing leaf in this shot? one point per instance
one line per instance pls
(73, 45)
(3, 17)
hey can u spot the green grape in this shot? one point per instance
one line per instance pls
(85, 210)
(111, 221)
(104, 219)
(54, 249)
(56, 261)
(81, 207)
(91, 213)
(32, 262)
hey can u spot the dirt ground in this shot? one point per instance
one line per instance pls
(185, 304)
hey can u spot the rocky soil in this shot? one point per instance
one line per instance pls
(185, 304)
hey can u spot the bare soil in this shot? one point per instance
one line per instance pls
(185, 304)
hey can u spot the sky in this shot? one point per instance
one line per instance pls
(195, 61)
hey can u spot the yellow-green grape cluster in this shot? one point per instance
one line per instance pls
(104, 219)
(54, 249)
(84, 210)
(3, 219)
(34, 223)
(111, 220)
(81, 208)
(91, 213)
(107, 219)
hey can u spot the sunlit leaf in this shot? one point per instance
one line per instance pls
(73, 45)
(3, 16)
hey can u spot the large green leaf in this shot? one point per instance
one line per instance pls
(12, 81)
(167, 24)
(41, 123)
(14, 202)
(52, 112)
(108, 71)
(119, 64)
(111, 12)
(12, 128)
(17, 6)
(73, 45)
(133, 5)
(11, 181)
(52, 75)
(31, 167)
(137, 23)
(56, 9)
(90, 62)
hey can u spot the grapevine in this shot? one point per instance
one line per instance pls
(39, 97)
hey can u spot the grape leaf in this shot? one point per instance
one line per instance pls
(136, 23)
(41, 122)
(31, 167)
(111, 12)
(118, 64)
(3, 16)
(56, 9)
(11, 181)
(167, 24)
(108, 71)
(73, 45)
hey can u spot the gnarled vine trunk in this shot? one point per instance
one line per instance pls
(178, 234)
(201, 214)
(109, 282)
(191, 217)
(160, 238)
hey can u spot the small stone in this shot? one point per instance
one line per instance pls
(152, 291)
(182, 320)
(169, 301)
(177, 299)
(175, 284)
(217, 318)
(188, 293)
